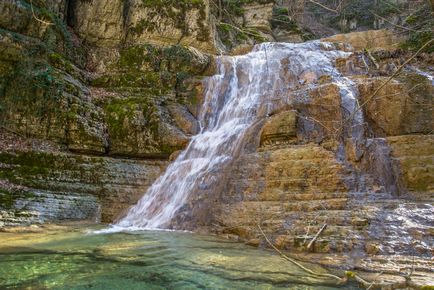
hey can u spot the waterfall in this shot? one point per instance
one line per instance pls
(235, 98)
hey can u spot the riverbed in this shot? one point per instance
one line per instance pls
(77, 258)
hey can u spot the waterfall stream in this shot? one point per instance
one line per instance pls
(236, 97)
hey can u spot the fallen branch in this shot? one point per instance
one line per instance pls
(316, 236)
(339, 279)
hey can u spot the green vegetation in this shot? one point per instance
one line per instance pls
(9, 197)
(421, 22)
(56, 36)
(122, 112)
(360, 11)
(282, 21)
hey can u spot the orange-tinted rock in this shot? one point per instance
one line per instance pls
(370, 39)
(280, 127)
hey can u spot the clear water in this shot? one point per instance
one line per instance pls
(73, 259)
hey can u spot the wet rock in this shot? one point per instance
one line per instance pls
(67, 180)
(28, 207)
(184, 120)
(253, 242)
(280, 128)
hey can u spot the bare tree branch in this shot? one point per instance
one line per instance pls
(339, 279)
(390, 22)
(389, 79)
(34, 15)
(323, 6)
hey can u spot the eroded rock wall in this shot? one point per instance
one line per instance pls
(298, 174)
(92, 78)
(96, 95)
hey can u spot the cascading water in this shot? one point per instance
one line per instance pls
(235, 98)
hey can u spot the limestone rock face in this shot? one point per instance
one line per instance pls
(258, 16)
(121, 107)
(128, 92)
(368, 39)
(58, 109)
(280, 127)
(278, 186)
(17, 17)
(110, 23)
(96, 97)
(50, 187)
(415, 156)
(99, 22)
(409, 108)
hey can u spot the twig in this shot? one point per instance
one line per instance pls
(390, 22)
(241, 30)
(373, 281)
(339, 279)
(316, 236)
(323, 6)
(34, 15)
(389, 79)
(374, 61)
(366, 65)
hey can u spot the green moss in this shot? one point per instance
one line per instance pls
(9, 198)
(231, 36)
(350, 274)
(158, 70)
(60, 62)
(39, 100)
(25, 166)
(281, 20)
(33, 169)
(121, 112)
(130, 79)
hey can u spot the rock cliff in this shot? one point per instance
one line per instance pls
(95, 96)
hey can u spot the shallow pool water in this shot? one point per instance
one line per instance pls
(74, 259)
